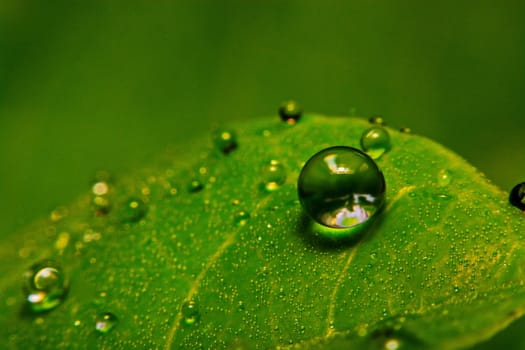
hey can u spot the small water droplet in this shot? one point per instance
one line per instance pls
(341, 187)
(195, 186)
(405, 130)
(241, 218)
(444, 178)
(290, 112)
(190, 313)
(273, 175)
(58, 214)
(101, 191)
(225, 141)
(105, 322)
(517, 196)
(375, 142)
(377, 120)
(46, 285)
(133, 210)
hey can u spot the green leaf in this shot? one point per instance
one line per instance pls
(440, 266)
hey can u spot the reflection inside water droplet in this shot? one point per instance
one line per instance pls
(105, 322)
(341, 187)
(46, 285)
(375, 142)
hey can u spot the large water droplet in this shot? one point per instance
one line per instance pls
(375, 142)
(225, 141)
(190, 313)
(517, 196)
(134, 209)
(46, 285)
(290, 112)
(105, 322)
(273, 175)
(341, 187)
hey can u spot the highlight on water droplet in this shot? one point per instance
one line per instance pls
(290, 112)
(405, 130)
(377, 120)
(45, 285)
(517, 196)
(375, 141)
(273, 175)
(341, 187)
(190, 313)
(225, 141)
(133, 210)
(241, 218)
(105, 322)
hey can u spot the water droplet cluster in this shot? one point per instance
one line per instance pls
(224, 252)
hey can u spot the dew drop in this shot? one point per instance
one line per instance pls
(444, 178)
(375, 142)
(134, 209)
(290, 112)
(58, 214)
(105, 322)
(377, 120)
(195, 186)
(190, 313)
(517, 196)
(405, 130)
(45, 285)
(273, 175)
(225, 141)
(101, 190)
(241, 218)
(341, 187)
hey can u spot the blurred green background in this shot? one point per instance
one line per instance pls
(105, 84)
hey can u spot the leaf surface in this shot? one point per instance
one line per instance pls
(440, 266)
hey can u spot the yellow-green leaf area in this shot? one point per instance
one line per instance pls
(194, 251)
